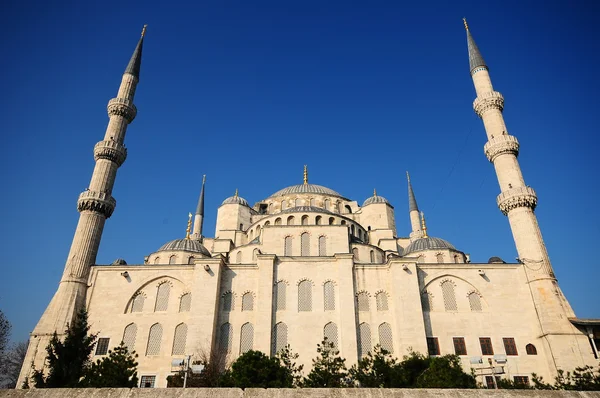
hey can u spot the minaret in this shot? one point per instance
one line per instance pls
(199, 217)
(95, 205)
(413, 211)
(518, 201)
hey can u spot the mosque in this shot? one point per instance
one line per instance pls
(307, 263)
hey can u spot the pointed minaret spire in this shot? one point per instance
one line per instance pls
(412, 202)
(413, 211)
(475, 58)
(133, 68)
(199, 217)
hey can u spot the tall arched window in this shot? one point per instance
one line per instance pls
(456, 259)
(238, 257)
(327, 204)
(172, 259)
(258, 231)
(290, 220)
(179, 339)
(157, 260)
(305, 220)
(248, 302)
(162, 297)
(318, 220)
(372, 256)
(254, 254)
(355, 254)
(352, 230)
(385, 337)
(331, 220)
(305, 244)
(305, 296)
(280, 293)
(330, 332)
(267, 223)
(359, 234)
(185, 302)
(246, 337)
(348, 209)
(298, 202)
(280, 338)
(530, 349)
(225, 337)
(364, 333)
(154, 339)
(440, 258)
(313, 202)
(363, 301)
(427, 302)
(449, 296)
(228, 302)
(270, 208)
(287, 246)
(250, 235)
(129, 335)
(283, 206)
(278, 221)
(329, 296)
(191, 260)
(322, 246)
(475, 302)
(137, 304)
(382, 301)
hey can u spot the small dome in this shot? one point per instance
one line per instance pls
(235, 200)
(186, 245)
(375, 199)
(429, 243)
(306, 188)
(119, 261)
(496, 260)
(306, 209)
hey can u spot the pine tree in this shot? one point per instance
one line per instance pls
(377, 369)
(329, 369)
(288, 358)
(118, 369)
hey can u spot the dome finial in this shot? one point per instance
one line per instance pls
(144, 30)
(236, 193)
(374, 192)
(189, 226)
(423, 225)
(466, 24)
(305, 174)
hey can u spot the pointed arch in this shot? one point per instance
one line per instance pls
(129, 335)
(246, 338)
(364, 334)
(475, 302)
(154, 340)
(238, 257)
(179, 339)
(449, 295)
(381, 300)
(287, 246)
(329, 296)
(248, 301)
(185, 302)
(137, 303)
(279, 339)
(427, 302)
(330, 332)
(322, 246)
(305, 296)
(173, 259)
(228, 301)
(162, 296)
(225, 337)
(280, 295)
(304, 220)
(290, 220)
(305, 244)
(385, 337)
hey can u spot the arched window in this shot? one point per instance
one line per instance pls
(331, 220)
(427, 302)
(246, 337)
(185, 302)
(355, 254)
(129, 335)
(352, 230)
(318, 220)
(337, 207)
(348, 209)
(238, 257)
(298, 202)
(278, 221)
(250, 235)
(248, 302)
(329, 296)
(137, 304)
(305, 296)
(420, 259)
(475, 302)
(154, 339)
(330, 332)
(172, 259)
(322, 246)
(364, 333)
(343, 222)
(385, 337)
(191, 260)
(157, 260)
(257, 231)
(449, 296)
(287, 246)
(313, 202)
(440, 258)
(359, 234)
(304, 220)
(225, 337)
(305, 244)
(242, 227)
(372, 256)
(267, 223)
(228, 302)
(254, 254)
(456, 259)
(382, 301)
(279, 338)
(530, 349)
(179, 339)
(283, 205)
(162, 297)
(327, 204)
(290, 220)
(270, 208)
(280, 295)
(363, 301)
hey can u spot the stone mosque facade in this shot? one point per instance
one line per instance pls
(307, 263)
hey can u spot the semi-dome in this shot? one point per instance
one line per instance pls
(375, 199)
(119, 261)
(306, 188)
(429, 243)
(186, 245)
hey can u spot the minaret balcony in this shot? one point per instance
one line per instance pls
(122, 107)
(99, 202)
(516, 197)
(499, 145)
(487, 101)
(110, 150)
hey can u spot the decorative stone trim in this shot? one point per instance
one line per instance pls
(487, 101)
(304, 279)
(447, 280)
(99, 202)
(500, 145)
(470, 292)
(361, 292)
(110, 150)
(122, 107)
(162, 282)
(516, 197)
(329, 280)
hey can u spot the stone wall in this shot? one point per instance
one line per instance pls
(290, 393)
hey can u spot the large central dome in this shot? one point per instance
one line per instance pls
(306, 188)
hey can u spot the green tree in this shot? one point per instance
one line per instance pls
(11, 362)
(213, 374)
(329, 369)
(412, 366)
(118, 369)
(255, 369)
(581, 379)
(288, 359)
(378, 369)
(445, 372)
(67, 360)
(5, 327)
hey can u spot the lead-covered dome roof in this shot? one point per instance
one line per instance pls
(429, 243)
(375, 199)
(306, 188)
(186, 245)
(235, 200)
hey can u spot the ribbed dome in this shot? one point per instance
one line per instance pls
(306, 188)
(119, 261)
(188, 245)
(429, 243)
(496, 260)
(235, 200)
(375, 199)
(306, 209)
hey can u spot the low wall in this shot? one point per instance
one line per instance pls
(289, 393)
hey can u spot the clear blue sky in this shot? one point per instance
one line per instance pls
(248, 92)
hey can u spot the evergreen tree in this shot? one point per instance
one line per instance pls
(288, 358)
(412, 366)
(118, 369)
(446, 372)
(377, 369)
(329, 369)
(5, 327)
(255, 369)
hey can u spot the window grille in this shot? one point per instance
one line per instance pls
(147, 381)
(280, 295)
(290, 220)
(238, 257)
(228, 302)
(185, 302)
(459, 346)
(385, 337)
(246, 338)
(382, 301)
(489, 381)
(225, 337)
(129, 335)
(372, 256)
(475, 302)
(427, 302)
(364, 332)
(433, 347)
(172, 259)
(486, 346)
(509, 346)
(305, 244)
(330, 332)
(329, 296)
(191, 260)
(248, 302)
(531, 350)
(154, 338)
(363, 301)
(102, 346)
(179, 339)
(287, 247)
(280, 338)
(137, 304)
(449, 296)
(318, 220)
(305, 296)
(304, 220)
(355, 254)
(440, 258)
(162, 297)
(322, 246)
(278, 221)
(521, 380)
